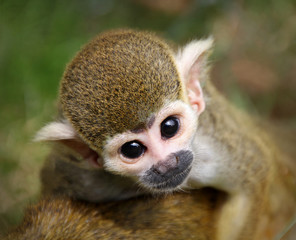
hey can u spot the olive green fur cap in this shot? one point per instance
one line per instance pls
(116, 82)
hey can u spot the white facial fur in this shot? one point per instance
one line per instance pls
(157, 148)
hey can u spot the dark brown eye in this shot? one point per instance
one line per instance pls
(132, 150)
(169, 127)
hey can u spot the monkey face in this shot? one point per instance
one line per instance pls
(159, 156)
(130, 104)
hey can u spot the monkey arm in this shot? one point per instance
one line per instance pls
(76, 180)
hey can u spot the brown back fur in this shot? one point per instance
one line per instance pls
(179, 216)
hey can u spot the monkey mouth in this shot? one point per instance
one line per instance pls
(163, 177)
(171, 183)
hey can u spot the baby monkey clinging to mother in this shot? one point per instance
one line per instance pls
(129, 124)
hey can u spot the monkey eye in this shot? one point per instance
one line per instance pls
(169, 127)
(132, 150)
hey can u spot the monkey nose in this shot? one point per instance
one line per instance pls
(163, 166)
(161, 169)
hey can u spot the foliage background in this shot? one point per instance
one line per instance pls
(254, 64)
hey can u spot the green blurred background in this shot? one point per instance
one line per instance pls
(254, 64)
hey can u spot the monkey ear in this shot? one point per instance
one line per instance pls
(56, 131)
(64, 133)
(192, 62)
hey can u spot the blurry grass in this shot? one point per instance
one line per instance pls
(38, 38)
(35, 45)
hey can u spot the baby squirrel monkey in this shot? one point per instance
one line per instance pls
(130, 124)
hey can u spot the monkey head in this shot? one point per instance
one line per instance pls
(130, 105)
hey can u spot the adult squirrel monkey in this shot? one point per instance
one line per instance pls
(180, 216)
(136, 117)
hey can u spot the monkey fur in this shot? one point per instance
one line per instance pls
(116, 86)
(60, 218)
(176, 216)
